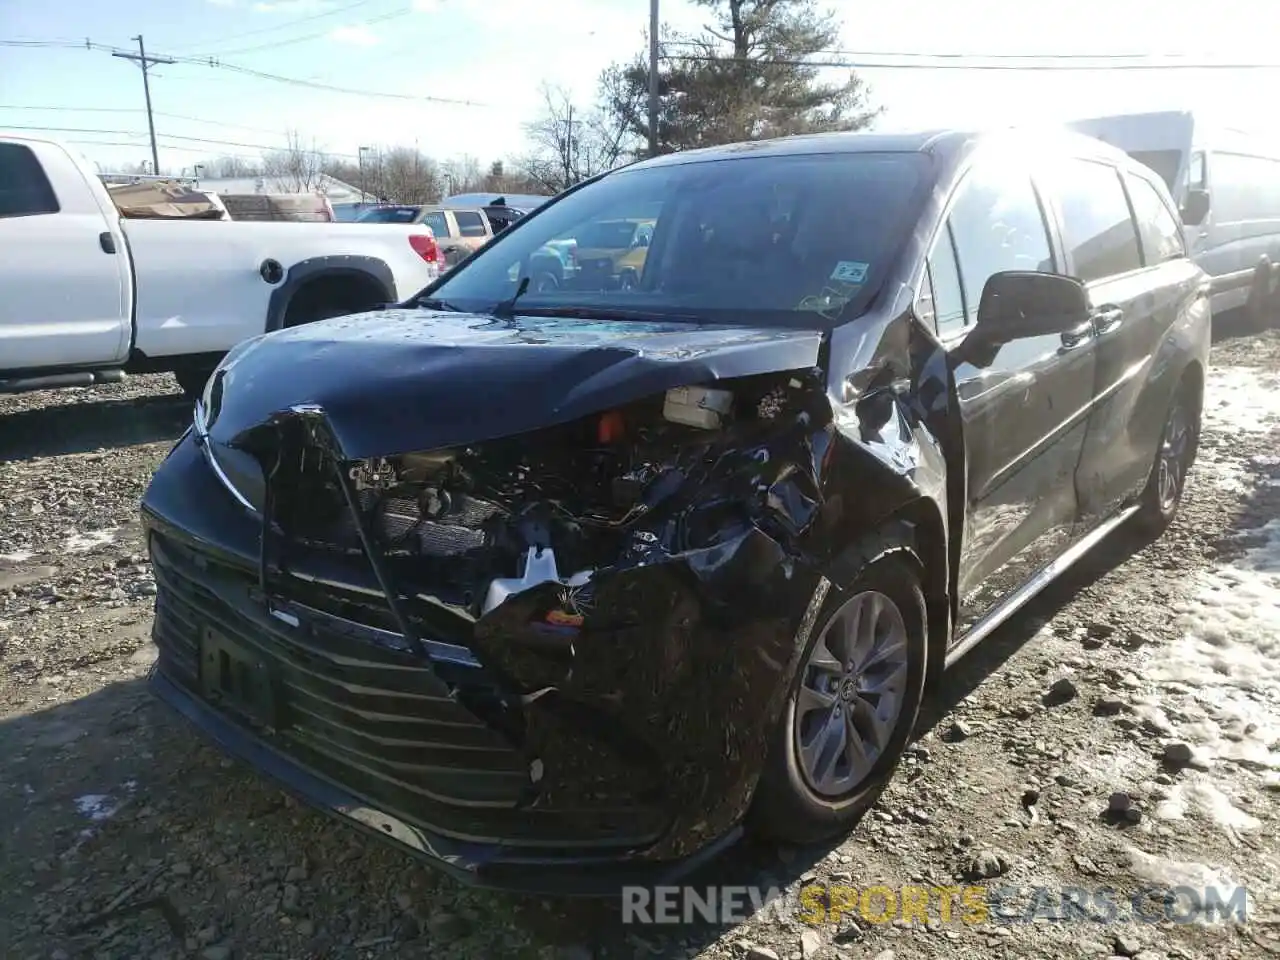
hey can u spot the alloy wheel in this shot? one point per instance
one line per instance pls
(851, 694)
(1171, 470)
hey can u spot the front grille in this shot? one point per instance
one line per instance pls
(376, 720)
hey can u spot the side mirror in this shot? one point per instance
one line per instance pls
(1196, 208)
(1017, 304)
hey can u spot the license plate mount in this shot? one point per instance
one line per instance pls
(234, 676)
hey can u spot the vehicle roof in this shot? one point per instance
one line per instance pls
(948, 145)
(517, 201)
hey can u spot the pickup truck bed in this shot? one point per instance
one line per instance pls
(89, 296)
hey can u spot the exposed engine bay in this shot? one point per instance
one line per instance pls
(475, 524)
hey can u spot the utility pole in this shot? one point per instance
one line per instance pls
(146, 62)
(653, 78)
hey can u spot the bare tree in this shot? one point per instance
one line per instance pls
(569, 145)
(463, 175)
(407, 176)
(228, 167)
(296, 168)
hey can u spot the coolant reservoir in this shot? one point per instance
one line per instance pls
(697, 406)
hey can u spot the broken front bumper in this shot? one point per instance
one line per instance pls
(641, 760)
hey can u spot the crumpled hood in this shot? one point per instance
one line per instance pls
(404, 380)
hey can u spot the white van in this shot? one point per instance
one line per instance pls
(1227, 184)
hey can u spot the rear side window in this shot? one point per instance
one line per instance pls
(470, 224)
(438, 223)
(1096, 224)
(1160, 233)
(24, 189)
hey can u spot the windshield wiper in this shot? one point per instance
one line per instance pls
(431, 303)
(506, 309)
(608, 313)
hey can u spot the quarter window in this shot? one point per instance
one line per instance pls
(470, 224)
(1160, 233)
(944, 298)
(997, 225)
(1096, 224)
(24, 189)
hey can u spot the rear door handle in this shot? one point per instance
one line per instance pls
(107, 242)
(1106, 319)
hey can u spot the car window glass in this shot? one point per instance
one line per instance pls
(1195, 175)
(438, 223)
(945, 297)
(1160, 233)
(470, 224)
(997, 225)
(389, 215)
(788, 240)
(24, 189)
(1096, 224)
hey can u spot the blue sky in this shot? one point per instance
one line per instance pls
(496, 53)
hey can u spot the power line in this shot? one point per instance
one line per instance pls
(214, 62)
(174, 136)
(867, 63)
(279, 26)
(158, 113)
(308, 37)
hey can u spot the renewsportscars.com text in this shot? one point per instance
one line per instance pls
(819, 904)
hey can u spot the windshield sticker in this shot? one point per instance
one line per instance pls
(850, 271)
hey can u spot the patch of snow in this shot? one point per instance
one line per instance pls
(1229, 656)
(1242, 399)
(1171, 874)
(83, 542)
(1201, 799)
(96, 806)
(17, 557)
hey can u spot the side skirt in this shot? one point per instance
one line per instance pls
(1020, 597)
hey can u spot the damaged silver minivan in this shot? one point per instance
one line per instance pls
(562, 584)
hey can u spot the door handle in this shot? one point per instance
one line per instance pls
(107, 242)
(1107, 319)
(1078, 336)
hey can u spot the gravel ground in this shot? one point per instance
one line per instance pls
(1154, 673)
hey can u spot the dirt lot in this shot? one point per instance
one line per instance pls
(125, 837)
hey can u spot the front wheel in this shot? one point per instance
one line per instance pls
(852, 705)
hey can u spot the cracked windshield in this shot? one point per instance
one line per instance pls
(620, 479)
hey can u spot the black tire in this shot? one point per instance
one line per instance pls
(192, 380)
(1156, 508)
(786, 808)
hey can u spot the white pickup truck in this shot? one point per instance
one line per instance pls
(87, 297)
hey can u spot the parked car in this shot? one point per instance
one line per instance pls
(459, 231)
(561, 589)
(1227, 186)
(502, 211)
(89, 296)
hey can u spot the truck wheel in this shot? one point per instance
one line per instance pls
(852, 704)
(192, 380)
